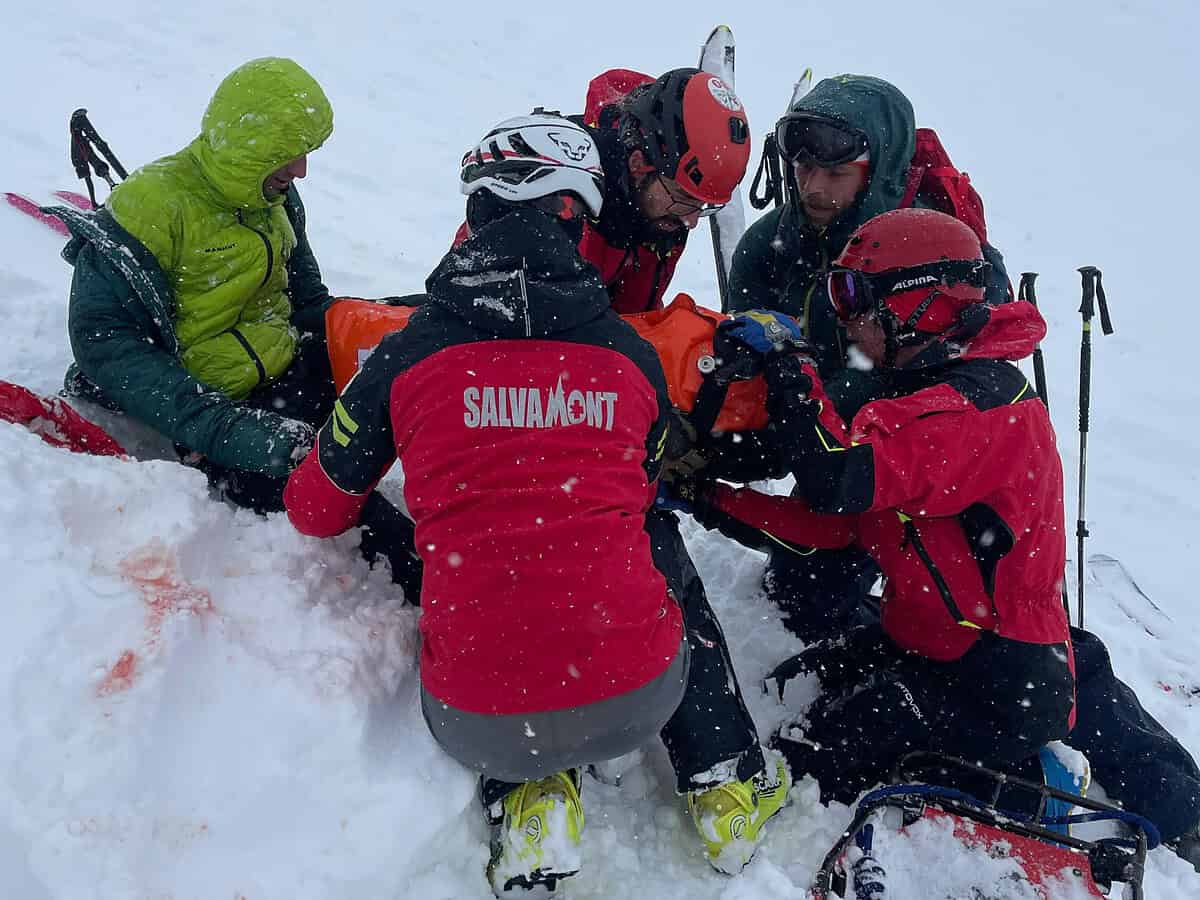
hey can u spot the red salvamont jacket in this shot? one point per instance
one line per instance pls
(965, 516)
(529, 420)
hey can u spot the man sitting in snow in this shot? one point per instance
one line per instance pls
(530, 422)
(197, 307)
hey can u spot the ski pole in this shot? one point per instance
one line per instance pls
(1093, 294)
(1025, 291)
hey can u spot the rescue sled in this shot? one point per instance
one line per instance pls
(1043, 859)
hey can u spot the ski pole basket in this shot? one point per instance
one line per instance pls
(922, 790)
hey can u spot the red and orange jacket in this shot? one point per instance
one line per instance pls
(636, 266)
(953, 484)
(529, 420)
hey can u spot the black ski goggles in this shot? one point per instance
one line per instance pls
(854, 293)
(803, 137)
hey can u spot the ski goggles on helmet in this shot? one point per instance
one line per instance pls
(854, 293)
(804, 137)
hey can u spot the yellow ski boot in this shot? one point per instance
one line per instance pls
(731, 816)
(535, 836)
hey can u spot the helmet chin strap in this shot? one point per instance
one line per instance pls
(896, 334)
(899, 335)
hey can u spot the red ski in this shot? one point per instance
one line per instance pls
(54, 421)
(31, 209)
(77, 200)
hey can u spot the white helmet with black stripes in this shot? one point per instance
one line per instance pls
(534, 156)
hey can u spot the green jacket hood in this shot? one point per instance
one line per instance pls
(265, 113)
(885, 115)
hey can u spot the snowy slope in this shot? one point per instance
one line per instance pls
(198, 703)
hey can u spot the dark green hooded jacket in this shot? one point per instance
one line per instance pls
(191, 287)
(781, 261)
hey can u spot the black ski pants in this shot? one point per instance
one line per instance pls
(711, 725)
(998, 704)
(1137, 761)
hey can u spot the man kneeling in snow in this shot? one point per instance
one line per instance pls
(530, 422)
(951, 482)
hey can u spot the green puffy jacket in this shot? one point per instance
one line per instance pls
(190, 286)
(782, 259)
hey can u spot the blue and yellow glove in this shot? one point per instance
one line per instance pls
(765, 332)
(745, 343)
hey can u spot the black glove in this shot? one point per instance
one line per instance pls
(388, 532)
(682, 453)
(788, 387)
(683, 493)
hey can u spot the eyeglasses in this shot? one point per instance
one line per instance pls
(854, 293)
(684, 206)
(804, 137)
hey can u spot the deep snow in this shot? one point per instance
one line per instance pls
(199, 703)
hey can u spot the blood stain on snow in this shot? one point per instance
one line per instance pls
(153, 569)
(120, 676)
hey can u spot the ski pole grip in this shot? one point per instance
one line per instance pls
(1087, 306)
(1087, 309)
(1025, 290)
(79, 148)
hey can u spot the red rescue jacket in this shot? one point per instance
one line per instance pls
(953, 485)
(529, 420)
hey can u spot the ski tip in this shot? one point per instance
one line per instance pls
(802, 87)
(722, 34)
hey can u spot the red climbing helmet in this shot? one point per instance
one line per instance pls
(693, 129)
(917, 269)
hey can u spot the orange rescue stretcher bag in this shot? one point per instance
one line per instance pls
(681, 334)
